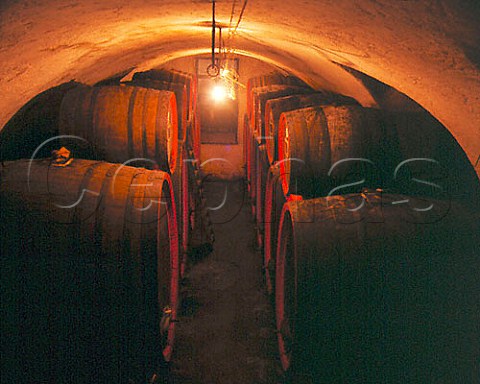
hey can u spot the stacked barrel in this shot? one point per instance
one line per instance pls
(195, 228)
(372, 281)
(259, 90)
(94, 243)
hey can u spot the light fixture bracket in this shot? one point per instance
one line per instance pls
(213, 69)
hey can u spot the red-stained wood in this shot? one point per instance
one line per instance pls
(122, 124)
(174, 76)
(260, 96)
(260, 184)
(322, 148)
(181, 94)
(274, 201)
(269, 79)
(275, 107)
(364, 277)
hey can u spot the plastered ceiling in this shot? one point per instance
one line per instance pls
(427, 49)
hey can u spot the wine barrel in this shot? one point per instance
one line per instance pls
(196, 139)
(245, 135)
(202, 235)
(181, 94)
(190, 199)
(376, 287)
(250, 150)
(247, 138)
(259, 98)
(195, 231)
(274, 201)
(321, 149)
(275, 107)
(174, 76)
(253, 175)
(269, 79)
(92, 260)
(122, 123)
(183, 187)
(261, 178)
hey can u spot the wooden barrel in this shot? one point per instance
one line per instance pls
(181, 94)
(378, 288)
(247, 149)
(202, 235)
(323, 149)
(253, 175)
(92, 260)
(184, 190)
(250, 147)
(122, 123)
(174, 76)
(197, 139)
(195, 233)
(274, 201)
(245, 135)
(269, 79)
(275, 107)
(259, 98)
(260, 184)
(190, 196)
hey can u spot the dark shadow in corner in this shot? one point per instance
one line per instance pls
(34, 123)
(420, 135)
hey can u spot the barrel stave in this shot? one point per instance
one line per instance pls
(376, 295)
(87, 267)
(275, 107)
(180, 91)
(121, 124)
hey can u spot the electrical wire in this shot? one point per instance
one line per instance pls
(230, 74)
(213, 70)
(232, 31)
(240, 17)
(213, 33)
(232, 13)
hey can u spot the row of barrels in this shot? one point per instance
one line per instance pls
(93, 248)
(369, 285)
(327, 144)
(149, 117)
(90, 271)
(145, 122)
(150, 122)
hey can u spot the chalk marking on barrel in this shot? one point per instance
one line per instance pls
(400, 202)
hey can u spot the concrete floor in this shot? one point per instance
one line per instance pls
(226, 328)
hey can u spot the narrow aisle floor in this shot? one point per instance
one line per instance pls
(226, 328)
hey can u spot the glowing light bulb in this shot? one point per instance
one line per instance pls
(219, 93)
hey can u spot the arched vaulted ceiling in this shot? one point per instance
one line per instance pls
(427, 49)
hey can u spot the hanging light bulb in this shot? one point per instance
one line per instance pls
(224, 86)
(219, 92)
